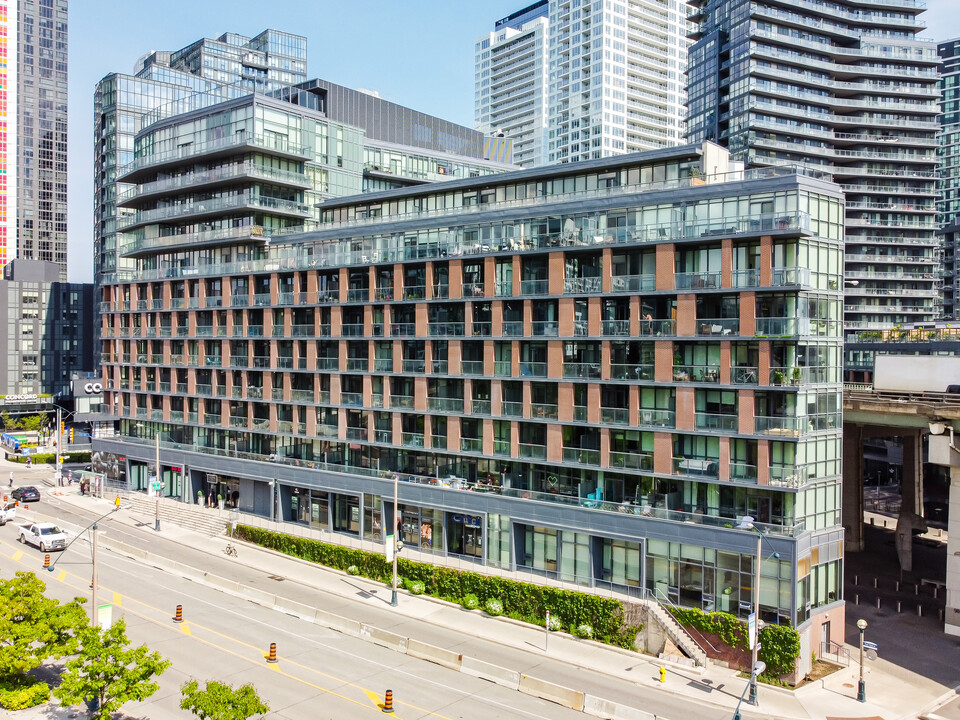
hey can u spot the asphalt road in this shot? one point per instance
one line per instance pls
(321, 673)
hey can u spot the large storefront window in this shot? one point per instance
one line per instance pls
(540, 549)
(372, 518)
(346, 514)
(621, 562)
(575, 558)
(320, 510)
(498, 540)
(422, 528)
(465, 535)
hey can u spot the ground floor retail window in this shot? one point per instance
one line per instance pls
(621, 562)
(498, 540)
(465, 535)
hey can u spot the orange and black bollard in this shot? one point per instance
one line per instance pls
(272, 657)
(388, 702)
(46, 561)
(178, 617)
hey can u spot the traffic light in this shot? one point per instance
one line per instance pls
(63, 426)
(71, 435)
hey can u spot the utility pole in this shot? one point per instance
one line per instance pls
(756, 611)
(93, 581)
(59, 442)
(396, 533)
(158, 485)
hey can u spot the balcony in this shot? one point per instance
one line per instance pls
(360, 364)
(480, 407)
(351, 330)
(580, 285)
(351, 399)
(473, 290)
(533, 451)
(544, 328)
(616, 327)
(581, 456)
(414, 366)
(631, 371)
(716, 421)
(511, 409)
(512, 328)
(533, 369)
(744, 375)
(633, 283)
(474, 445)
(403, 329)
(742, 472)
(358, 294)
(502, 368)
(696, 280)
(718, 326)
(439, 367)
(543, 410)
(695, 467)
(471, 367)
(615, 416)
(581, 370)
(414, 292)
(788, 476)
(356, 433)
(696, 373)
(442, 404)
(401, 401)
(438, 442)
(632, 461)
(483, 329)
(446, 328)
(657, 418)
(501, 447)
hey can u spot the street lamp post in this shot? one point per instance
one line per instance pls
(746, 523)
(861, 688)
(59, 446)
(758, 669)
(157, 487)
(93, 558)
(396, 532)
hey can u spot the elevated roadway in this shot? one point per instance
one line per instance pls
(910, 415)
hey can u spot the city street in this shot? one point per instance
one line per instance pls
(343, 673)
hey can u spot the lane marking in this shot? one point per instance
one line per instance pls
(117, 599)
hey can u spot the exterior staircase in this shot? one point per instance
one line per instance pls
(675, 632)
(208, 521)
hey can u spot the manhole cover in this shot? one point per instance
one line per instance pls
(275, 577)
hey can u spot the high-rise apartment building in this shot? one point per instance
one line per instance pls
(617, 82)
(572, 376)
(41, 132)
(845, 87)
(512, 66)
(948, 182)
(614, 80)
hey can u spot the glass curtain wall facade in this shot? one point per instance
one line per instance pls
(8, 131)
(592, 371)
(845, 87)
(41, 131)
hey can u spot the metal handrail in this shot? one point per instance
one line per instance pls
(830, 650)
(654, 594)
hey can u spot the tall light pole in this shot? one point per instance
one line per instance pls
(158, 485)
(758, 669)
(396, 532)
(754, 656)
(59, 441)
(93, 558)
(861, 688)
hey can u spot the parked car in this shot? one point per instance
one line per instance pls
(28, 493)
(8, 511)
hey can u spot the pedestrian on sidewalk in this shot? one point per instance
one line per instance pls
(11, 478)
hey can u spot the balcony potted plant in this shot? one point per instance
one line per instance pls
(778, 377)
(795, 376)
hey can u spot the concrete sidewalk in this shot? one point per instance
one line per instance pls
(892, 692)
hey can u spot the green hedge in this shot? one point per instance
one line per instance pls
(23, 691)
(51, 458)
(522, 601)
(779, 644)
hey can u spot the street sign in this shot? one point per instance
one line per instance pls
(388, 548)
(752, 629)
(105, 615)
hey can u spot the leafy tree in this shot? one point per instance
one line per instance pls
(108, 670)
(218, 701)
(32, 422)
(34, 627)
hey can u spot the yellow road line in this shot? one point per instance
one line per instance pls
(370, 694)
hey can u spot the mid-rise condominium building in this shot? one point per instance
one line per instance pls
(41, 129)
(8, 131)
(612, 73)
(847, 88)
(610, 372)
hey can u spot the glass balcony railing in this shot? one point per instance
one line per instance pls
(440, 367)
(502, 368)
(533, 287)
(696, 467)
(511, 409)
(581, 456)
(577, 285)
(633, 283)
(533, 369)
(631, 371)
(630, 460)
(512, 328)
(501, 447)
(438, 442)
(718, 326)
(482, 329)
(696, 280)
(353, 399)
(543, 410)
(615, 416)
(696, 373)
(548, 328)
(471, 445)
(615, 327)
(471, 367)
(744, 375)
(441, 404)
(657, 418)
(412, 439)
(401, 401)
(716, 421)
(414, 366)
(533, 451)
(581, 370)
(480, 407)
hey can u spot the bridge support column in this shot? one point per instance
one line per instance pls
(951, 616)
(852, 512)
(911, 483)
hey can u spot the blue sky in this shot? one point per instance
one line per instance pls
(418, 53)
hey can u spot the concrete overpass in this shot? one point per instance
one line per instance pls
(910, 415)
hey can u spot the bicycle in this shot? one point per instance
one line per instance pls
(230, 550)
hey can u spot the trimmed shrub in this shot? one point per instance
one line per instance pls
(22, 691)
(353, 570)
(414, 586)
(471, 601)
(493, 607)
(523, 601)
(554, 625)
(583, 631)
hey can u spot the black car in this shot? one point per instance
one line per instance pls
(26, 494)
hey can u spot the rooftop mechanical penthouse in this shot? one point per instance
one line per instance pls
(593, 371)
